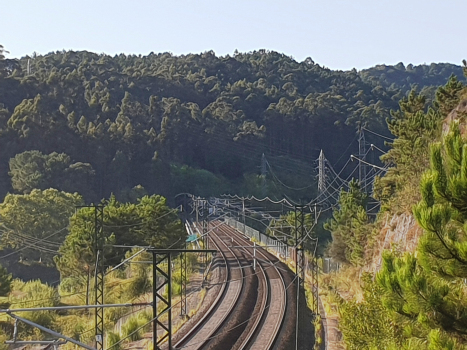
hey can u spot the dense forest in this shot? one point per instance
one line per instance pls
(96, 124)
(131, 132)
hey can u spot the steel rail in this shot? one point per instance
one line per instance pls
(208, 316)
(252, 341)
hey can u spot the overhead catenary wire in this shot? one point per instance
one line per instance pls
(176, 304)
(332, 188)
(146, 222)
(11, 231)
(238, 325)
(21, 249)
(348, 147)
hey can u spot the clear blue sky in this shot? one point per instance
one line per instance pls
(335, 33)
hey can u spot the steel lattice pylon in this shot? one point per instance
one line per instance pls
(299, 261)
(162, 277)
(314, 277)
(160, 259)
(205, 229)
(183, 277)
(299, 241)
(99, 274)
(361, 165)
(321, 174)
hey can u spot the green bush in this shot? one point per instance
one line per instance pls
(130, 329)
(111, 339)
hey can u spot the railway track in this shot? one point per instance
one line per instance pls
(202, 333)
(269, 321)
(250, 308)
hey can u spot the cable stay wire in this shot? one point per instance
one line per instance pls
(364, 162)
(375, 133)
(379, 149)
(331, 194)
(252, 146)
(348, 147)
(7, 230)
(374, 207)
(290, 160)
(337, 176)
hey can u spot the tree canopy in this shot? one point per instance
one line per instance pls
(37, 221)
(149, 222)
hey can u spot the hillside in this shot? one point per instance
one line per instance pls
(428, 77)
(404, 273)
(80, 127)
(125, 119)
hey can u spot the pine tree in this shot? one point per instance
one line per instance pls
(348, 226)
(415, 127)
(428, 288)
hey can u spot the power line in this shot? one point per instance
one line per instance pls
(18, 250)
(144, 223)
(283, 184)
(375, 133)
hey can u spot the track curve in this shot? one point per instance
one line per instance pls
(250, 310)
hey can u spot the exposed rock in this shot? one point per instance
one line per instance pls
(458, 113)
(400, 233)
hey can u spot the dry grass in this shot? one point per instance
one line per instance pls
(345, 283)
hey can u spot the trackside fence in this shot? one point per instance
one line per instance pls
(279, 247)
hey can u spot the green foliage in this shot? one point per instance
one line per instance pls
(5, 281)
(428, 289)
(3, 68)
(75, 326)
(405, 78)
(37, 220)
(33, 170)
(318, 326)
(349, 226)
(368, 324)
(130, 329)
(123, 118)
(415, 128)
(112, 339)
(197, 181)
(442, 211)
(123, 114)
(148, 222)
(138, 275)
(34, 294)
(284, 228)
(4, 336)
